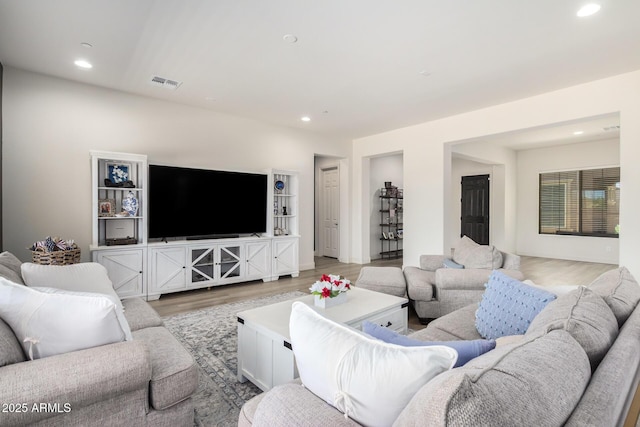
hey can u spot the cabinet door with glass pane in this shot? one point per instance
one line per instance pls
(229, 263)
(202, 271)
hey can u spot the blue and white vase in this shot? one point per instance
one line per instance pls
(130, 204)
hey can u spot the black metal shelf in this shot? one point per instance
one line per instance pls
(390, 247)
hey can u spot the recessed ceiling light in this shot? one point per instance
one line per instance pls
(588, 9)
(290, 38)
(578, 132)
(83, 64)
(305, 119)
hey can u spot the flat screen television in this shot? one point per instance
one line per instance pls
(201, 203)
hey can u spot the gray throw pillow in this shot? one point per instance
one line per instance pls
(586, 316)
(472, 255)
(620, 291)
(536, 382)
(10, 267)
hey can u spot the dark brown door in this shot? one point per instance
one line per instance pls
(475, 208)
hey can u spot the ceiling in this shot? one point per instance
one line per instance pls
(358, 67)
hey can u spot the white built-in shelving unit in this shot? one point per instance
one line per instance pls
(284, 193)
(119, 240)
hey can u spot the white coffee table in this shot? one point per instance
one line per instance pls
(265, 356)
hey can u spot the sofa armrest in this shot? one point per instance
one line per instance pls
(432, 262)
(516, 274)
(510, 261)
(73, 380)
(292, 404)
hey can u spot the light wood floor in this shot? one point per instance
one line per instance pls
(543, 271)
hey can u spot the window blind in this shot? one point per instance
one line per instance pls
(582, 202)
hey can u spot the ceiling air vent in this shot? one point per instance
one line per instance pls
(166, 83)
(610, 128)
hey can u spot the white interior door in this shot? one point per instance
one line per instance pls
(330, 213)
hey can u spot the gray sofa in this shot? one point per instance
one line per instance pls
(577, 365)
(147, 381)
(435, 290)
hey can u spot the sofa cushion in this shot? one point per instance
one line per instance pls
(586, 316)
(140, 314)
(457, 325)
(10, 267)
(467, 350)
(50, 321)
(174, 373)
(472, 255)
(533, 383)
(620, 291)
(82, 277)
(368, 380)
(508, 306)
(10, 349)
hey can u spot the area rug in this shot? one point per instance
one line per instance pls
(210, 335)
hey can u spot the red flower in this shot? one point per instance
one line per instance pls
(337, 282)
(326, 292)
(348, 286)
(325, 278)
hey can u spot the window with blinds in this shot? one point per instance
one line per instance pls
(582, 202)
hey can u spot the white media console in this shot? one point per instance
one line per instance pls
(162, 268)
(141, 268)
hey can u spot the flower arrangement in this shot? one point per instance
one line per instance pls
(330, 286)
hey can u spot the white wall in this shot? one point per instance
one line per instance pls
(51, 124)
(561, 158)
(381, 169)
(427, 161)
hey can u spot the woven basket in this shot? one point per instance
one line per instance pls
(67, 257)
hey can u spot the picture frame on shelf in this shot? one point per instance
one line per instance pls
(106, 207)
(118, 173)
(385, 236)
(391, 236)
(400, 233)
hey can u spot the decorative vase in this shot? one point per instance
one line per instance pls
(130, 204)
(330, 302)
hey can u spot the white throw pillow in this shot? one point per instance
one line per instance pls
(369, 380)
(82, 277)
(554, 289)
(52, 321)
(119, 313)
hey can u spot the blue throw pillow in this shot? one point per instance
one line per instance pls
(449, 263)
(467, 350)
(508, 306)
